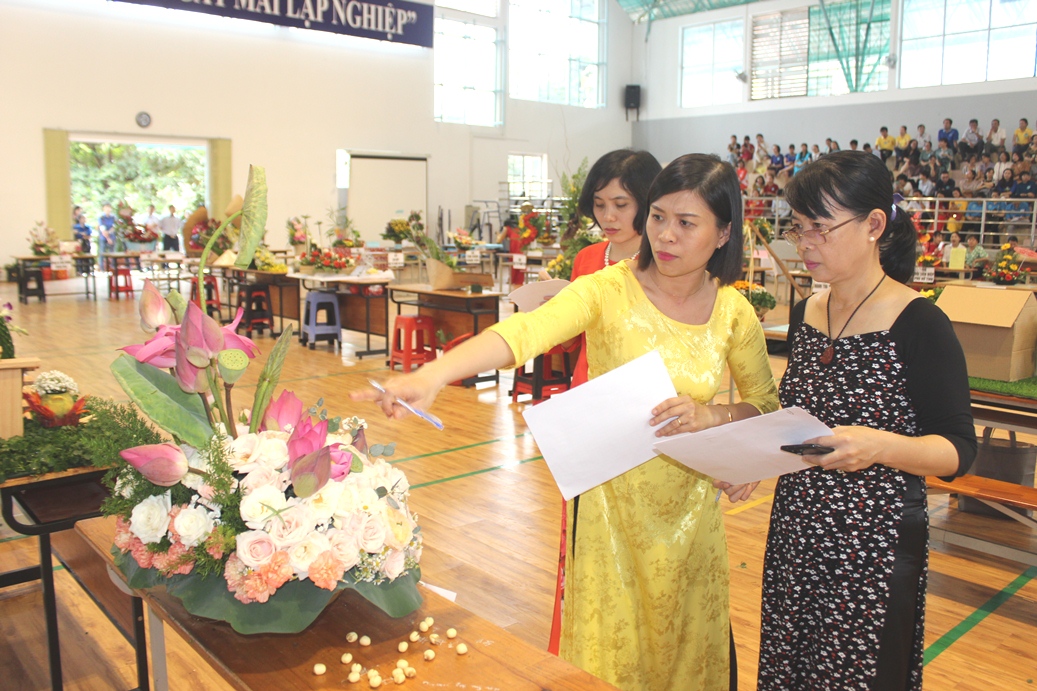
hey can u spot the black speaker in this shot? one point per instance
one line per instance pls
(632, 96)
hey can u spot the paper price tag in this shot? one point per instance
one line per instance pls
(518, 261)
(472, 257)
(925, 274)
(395, 260)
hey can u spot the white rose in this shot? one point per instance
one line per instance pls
(255, 548)
(306, 550)
(372, 533)
(269, 452)
(290, 526)
(194, 525)
(260, 477)
(324, 503)
(241, 448)
(150, 519)
(393, 565)
(195, 461)
(344, 546)
(260, 505)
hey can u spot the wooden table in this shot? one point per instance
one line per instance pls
(456, 312)
(284, 291)
(277, 662)
(363, 305)
(84, 264)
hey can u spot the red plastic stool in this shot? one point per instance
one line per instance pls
(544, 381)
(212, 296)
(257, 309)
(120, 281)
(413, 341)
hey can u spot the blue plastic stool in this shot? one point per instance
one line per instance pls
(313, 330)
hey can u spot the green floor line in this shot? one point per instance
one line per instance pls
(457, 448)
(951, 637)
(13, 538)
(475, 472)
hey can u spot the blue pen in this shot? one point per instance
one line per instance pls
(719, 493)
(435, 421)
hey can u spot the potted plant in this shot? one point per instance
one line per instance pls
(758, 296)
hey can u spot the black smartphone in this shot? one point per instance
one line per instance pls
(807, 449)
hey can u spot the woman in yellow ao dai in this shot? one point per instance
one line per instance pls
(647, 591)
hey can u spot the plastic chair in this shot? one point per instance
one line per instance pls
(544, 381)
(255, 299)
(37, 290)
(120, 281)
(314, 330)
(413, 341)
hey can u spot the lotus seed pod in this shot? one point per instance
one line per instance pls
(347, 658)
(410, 672)
(402, 647)
(351, 637)
(423, 627)
(414, 636)
(462, 649)
(430, 655)
(354, 677)
(365, 641)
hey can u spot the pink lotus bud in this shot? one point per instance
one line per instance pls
(200, 335)
(311, 472)
(163, 464)
(306, 438)
(232, 340)
(283, 413)
(341, 462)
(153, 308)
(190, 378)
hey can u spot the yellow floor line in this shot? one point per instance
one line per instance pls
(749, 505)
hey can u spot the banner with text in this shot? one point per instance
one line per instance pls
(383, 20)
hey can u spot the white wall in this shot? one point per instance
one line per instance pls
(668, 130)
(286, 98)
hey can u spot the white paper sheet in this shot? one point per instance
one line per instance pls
(746, 450)
(532, 295)
(599, 430)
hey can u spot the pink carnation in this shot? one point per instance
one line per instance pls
(255, 589)
(277, 571)
(123, 537)
(140, 554)
(234, 573)
(173, 513)
(326, 571)
(176, 561)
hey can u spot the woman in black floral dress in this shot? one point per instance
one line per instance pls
(845, 570)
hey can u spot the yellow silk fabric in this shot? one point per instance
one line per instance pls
(646, 591)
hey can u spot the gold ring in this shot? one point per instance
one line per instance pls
(679, 423)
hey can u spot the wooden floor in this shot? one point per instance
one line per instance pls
(489, 512)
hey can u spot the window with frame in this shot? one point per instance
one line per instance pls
(849, 42)
(780, 54)
(466, 74)
(960, 41)
(556, 51)
(527, 176)
(711, 60)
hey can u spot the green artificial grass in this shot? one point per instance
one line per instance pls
(1024, 388)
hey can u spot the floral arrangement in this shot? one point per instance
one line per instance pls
(758, 296)
(43, 240)
(1005, 270)
(298, 230)
(562, 265)
(928, 260)
(531, 225)
(54, 399)
(130, 231)
(397, 230)
(342, 230)
(326, 260)
(203, 232)
(463, 240)
(572, 187)
(280, 504)
(761, 224)
(932, 295)
(266, 261)
(7, 327)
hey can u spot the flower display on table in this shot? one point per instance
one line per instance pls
(397, 230)
(129, 230)
(54, 399)
(932, 295)
(463, 240)
(758, 296)
(928, 260)
(203, 232)
(256, 519)
(7, 327)
(531, 225)
(43, 240)
(326, 260)
(572, 187)
(266, 261)
(342, 233)
(1005, 269)
(298, 230)
(561, 266)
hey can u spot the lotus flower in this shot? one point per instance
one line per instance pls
(283, 413)
(306, 438)
(341, 462)
(163, 464)
(190, 378)
(159, 351)
(200, 336)
(233, 340)
(153, 308)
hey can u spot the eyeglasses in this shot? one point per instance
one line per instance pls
(818, 235)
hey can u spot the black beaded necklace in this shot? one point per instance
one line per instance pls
(829, 353)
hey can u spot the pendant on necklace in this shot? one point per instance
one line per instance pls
(827, 355)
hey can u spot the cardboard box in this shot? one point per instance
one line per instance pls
(442, 277)
(997, 328)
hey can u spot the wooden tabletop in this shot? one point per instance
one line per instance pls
(32, 479)
(426, 289)
(496, 659)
